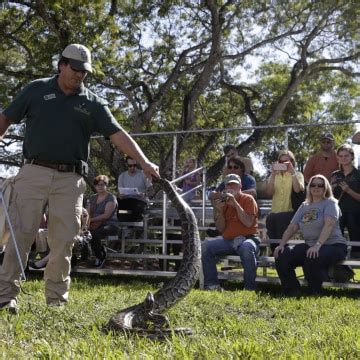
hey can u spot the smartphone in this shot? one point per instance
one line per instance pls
(280, 166)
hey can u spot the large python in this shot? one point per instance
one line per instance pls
(146, 317)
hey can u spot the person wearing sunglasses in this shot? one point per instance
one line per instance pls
(60, 114)
(317, 219)
(345, 183)
(231, 151)
(237, 221)
(235, 165)
(132, 205)
(325, 161)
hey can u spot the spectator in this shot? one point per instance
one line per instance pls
(133, 205)
(356, 138)
(248, 185)
(236, 166)
(191, 181)
(80, 245)
(318, 220)
(231, 150)
(237, 221)
(346, 187)
(103, 221)
(284, 179)
(324, 162)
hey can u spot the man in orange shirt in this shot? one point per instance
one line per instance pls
(324, 162)
(236, 220)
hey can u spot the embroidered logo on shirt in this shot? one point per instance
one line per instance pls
(81, 108)
(49, 97)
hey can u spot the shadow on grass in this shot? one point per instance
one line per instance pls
(273, 290)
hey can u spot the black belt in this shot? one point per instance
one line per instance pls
(58, 167)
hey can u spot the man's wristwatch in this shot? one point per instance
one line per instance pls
(318, 243)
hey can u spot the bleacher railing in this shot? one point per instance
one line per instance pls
(165, 201)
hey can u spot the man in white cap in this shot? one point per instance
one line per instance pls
(324, 162)
(236, 220)
(60, 115)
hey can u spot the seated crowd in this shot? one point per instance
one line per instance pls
(320, 205)
(320, 216)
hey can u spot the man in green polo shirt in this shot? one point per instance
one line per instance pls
(60, 115)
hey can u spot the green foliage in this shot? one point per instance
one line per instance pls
(154, 64)
(233, 324)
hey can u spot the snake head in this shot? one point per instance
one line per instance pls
(149, 301)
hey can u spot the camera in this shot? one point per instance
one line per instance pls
(223, 197)
(339, 178)
(280, 166)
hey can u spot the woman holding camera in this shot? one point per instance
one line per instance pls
(284, 180)
(346, 186)
(318, 220)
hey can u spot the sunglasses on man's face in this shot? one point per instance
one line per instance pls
(312, 185)
(233, 167)
(78, 71)
(131, 165)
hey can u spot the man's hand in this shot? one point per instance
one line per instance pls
(150, 169)
(219, 204)
(230, 199)
(278, 250)
(344, 186)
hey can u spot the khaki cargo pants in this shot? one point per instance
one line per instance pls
(35, 186)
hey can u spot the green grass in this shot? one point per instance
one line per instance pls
(229, 325)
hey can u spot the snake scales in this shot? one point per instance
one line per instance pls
(146, 317)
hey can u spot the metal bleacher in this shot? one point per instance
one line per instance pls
(152, 247)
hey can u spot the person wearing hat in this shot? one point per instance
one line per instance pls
(324, 162)
(356, 138)
(237, 221)
(60, 115)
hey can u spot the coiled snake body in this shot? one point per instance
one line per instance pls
(147, 317)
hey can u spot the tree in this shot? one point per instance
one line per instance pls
(169, 65)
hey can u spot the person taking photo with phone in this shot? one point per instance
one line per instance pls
(283, 181)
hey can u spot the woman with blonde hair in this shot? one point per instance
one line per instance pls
(282, 183)
(318, 221)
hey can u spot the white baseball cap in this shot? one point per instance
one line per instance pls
(79, 57)
(232, 178)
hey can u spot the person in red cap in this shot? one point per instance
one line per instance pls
(60, 115)
(324, 162)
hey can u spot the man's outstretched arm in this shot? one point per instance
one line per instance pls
(125, 143)
(4, 125)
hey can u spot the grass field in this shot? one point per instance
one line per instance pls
(234, 324)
